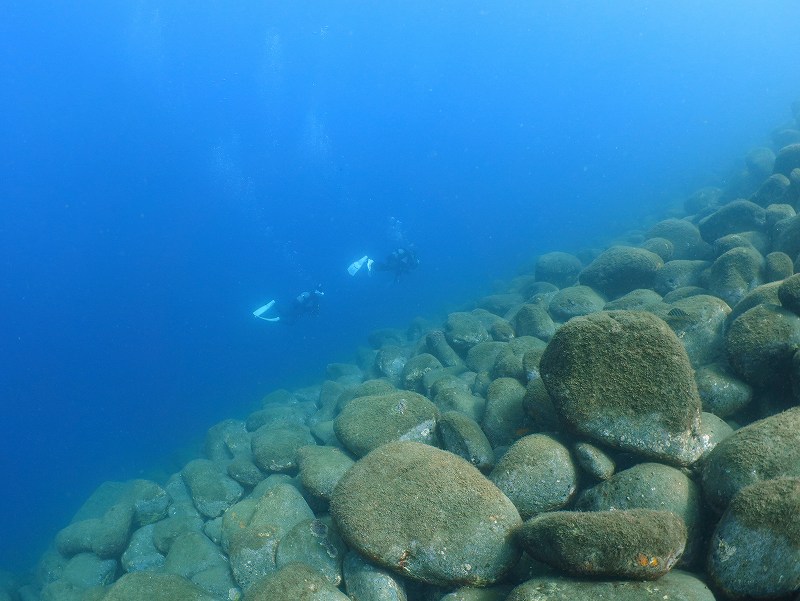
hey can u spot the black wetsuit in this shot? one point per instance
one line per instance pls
(306, 303)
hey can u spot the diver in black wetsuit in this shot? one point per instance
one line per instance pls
(305, 303)
(400, 261)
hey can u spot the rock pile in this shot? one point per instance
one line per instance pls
(624, 425)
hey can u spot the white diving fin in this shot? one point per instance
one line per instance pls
(263, 309)
(355, 266)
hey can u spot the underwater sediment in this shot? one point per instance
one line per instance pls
(618, 423)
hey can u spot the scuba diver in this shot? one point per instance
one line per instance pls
(401, 261)
(305, 303)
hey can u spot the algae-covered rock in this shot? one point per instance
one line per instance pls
(787, 239)
(275, 416)
(390, 361)
(427, 514)
(438, 347)
(539, 407)
(735, 273)
(661, 246)
(652, 486)
(211, 488)
(153, 586)
(594, 461)
(624, 379)
(755, 550)
(532, 319)
(788, 158)
(295, 581)
(772, 191)
(315, 543)
(509, 362)
(504, 419)
(766, 294)
(465, 330)
(537, 473)
(462, 401)
(275, 448)
(675, 586)
(737, 216)
(699, 323)
(227, 439)
(371, 583)
(641, 299)
(575, 301)
(142, 553)
(766, 449)
(678, 274)
(321, 468)
(761, 342)
(482, 357)
(640, 544)
(721, 392)
(685, 237)
(709, 197)
(559, 268)
(621, 269)
(789, 294)
(368, 422)
(467, 593)
(107, 536)
(415, 369)
(253, 528)
(462, 436)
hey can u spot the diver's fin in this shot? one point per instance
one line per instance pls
(370, 262)
(263, 309)
(356, 265)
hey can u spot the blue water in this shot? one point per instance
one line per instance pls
(168, 167)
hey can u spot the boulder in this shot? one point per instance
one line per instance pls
(732, 218)
(574, 301)
(621, 269)
(559, 268)
(426, 514)
(755, 550)
(637, 544)
(622, 378)
(368, 422)
(766, 449)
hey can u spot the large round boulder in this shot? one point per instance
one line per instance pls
(768, 448)
(621, 269)
(624, 379)
(639, 544)
(426, 514)
(370, 421)
(755, 550)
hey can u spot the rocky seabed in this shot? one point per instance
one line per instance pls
(620, 423)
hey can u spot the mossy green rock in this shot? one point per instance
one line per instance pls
(370, 421)
(788, 158)
(151, 586)
(641, 299)
(652, 486)
(789, 294)
(559, 268)
(532, 319)
(364, 580)
(593, 460)
(463, 436)
(213, 491)
(620, 269)
(761, 342)
(295, 582)
(732, 218)
(537, 473)
(320, 469)
(755, 550)
(623, 378)
(675, 586)
(463, 401)
(685, 237)
(575, 301)
(315, 543)
(465, 330)
(766, 449)
(252, 530)
(426, 514)
(777, 267)
(679, 274)
(721, 392)
(504, 420)
(735, 273)
(275, 448)
(639, 544)
(415, 369)
(509, 362)
(482, 357)
(699, 323)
